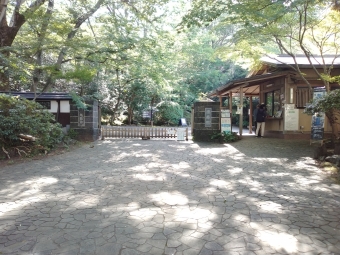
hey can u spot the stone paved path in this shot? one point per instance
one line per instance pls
(167, 197)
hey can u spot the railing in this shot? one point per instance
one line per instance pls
(143, 132)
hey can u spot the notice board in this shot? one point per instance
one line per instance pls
(208, 117)
(225, 121)
(291, 118)
(317, 130)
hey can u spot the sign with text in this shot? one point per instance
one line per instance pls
(319, 93)
(180, 134)
(318, 119)
(225, 121)
(317, 131)
(291, 118)
(208, 117)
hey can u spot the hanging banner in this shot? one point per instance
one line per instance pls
(318, 119)
(319, 93)
(317, 130)
(239, 109)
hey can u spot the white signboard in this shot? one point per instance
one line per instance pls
(226, 128)
(225, 113)
(225, 121)
(208, 116)
(180, 134)
(291, 119)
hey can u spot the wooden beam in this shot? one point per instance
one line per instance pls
(241, 113)
(251, 115)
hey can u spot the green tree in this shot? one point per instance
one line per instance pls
(168, 113)
(306, 27)
(23, 117)
(9, 31)
(330, 105)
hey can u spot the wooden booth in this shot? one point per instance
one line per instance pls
(284, 92)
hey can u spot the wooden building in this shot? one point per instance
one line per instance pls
(85, 122)
(283, 90)
(56, 103)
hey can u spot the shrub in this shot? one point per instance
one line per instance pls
(20, 116)
(330, 105)
(168, 112)
(225, 136)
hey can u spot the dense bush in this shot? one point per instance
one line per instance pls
(168, 113)
(23, 117)
(225, 136)
(330, 105)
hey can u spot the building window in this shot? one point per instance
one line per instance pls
(45, 104)
(303, 97)
(273, 102)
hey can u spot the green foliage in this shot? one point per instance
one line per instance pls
(225, 136)
(72, 134)
(216, 135)
(82, 74)
(329, 103)
(168, 112)
(20, 116)
(78, 100)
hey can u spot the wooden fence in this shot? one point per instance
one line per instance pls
(141, 132)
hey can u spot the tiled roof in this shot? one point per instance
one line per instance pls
(41, 96)
(301, 60)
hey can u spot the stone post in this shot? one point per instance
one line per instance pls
(206, 120)
(86, 122)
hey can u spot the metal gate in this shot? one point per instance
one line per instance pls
(143, 132)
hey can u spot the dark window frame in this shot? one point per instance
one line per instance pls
(45, 104)
(271, 111)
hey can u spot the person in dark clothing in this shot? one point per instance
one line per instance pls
(254, 116)
(260, 120)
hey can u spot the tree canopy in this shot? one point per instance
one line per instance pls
(132, 55)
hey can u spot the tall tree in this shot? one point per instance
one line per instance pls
(8, 31)
(306, 27)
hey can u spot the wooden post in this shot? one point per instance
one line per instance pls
(231, 102)
(251, 115)
(241, 113)
(192, 119)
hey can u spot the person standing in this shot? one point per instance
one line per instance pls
(254, 116)
(260, 120)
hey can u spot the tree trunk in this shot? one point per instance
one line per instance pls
(9, 32)
(41, 37)
(51, 80)
(7, 36)
(332, 121)
(130, 114)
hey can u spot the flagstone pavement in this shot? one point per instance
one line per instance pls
(126, 197)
